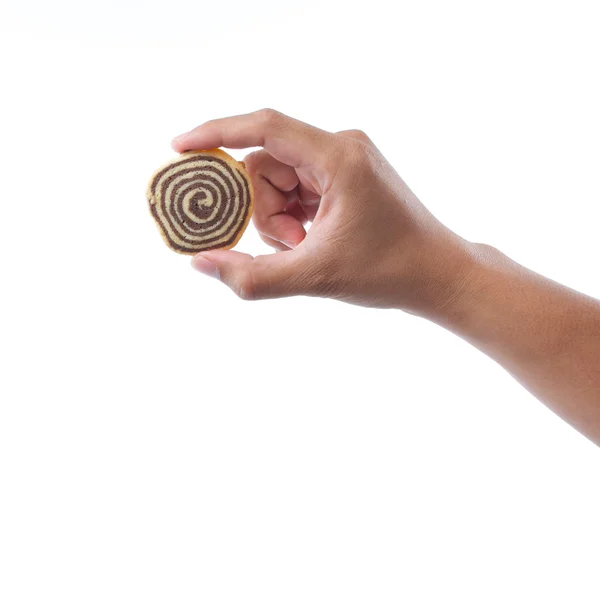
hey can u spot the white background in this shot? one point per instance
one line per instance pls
(160, 437)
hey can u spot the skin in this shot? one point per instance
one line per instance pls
(373, 243)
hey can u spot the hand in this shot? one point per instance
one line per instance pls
(371, 242)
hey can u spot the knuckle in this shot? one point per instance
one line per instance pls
(252, 161)
(260, 220)
(360, 135)
(256, 282)
(261, 261)
(356, 135)
(269, 116)
(357, 154)
(244, 286)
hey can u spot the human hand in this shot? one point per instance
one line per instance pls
(371, 242)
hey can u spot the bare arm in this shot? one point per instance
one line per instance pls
(546, 335)
(373, 243)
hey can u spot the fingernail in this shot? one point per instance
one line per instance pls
(206, 267)
(288, 243)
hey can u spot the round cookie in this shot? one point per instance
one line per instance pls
(201, 200)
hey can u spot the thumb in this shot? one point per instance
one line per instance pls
(266, 276)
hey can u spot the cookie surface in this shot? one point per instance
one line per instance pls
(201, 200)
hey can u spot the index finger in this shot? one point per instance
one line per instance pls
(288, 140)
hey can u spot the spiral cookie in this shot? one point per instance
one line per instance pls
(201, 200)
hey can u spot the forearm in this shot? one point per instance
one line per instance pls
(546, 335)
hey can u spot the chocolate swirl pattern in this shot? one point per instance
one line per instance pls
(201, 200)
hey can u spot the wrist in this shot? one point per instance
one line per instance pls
(479, 272)
(449, 294)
